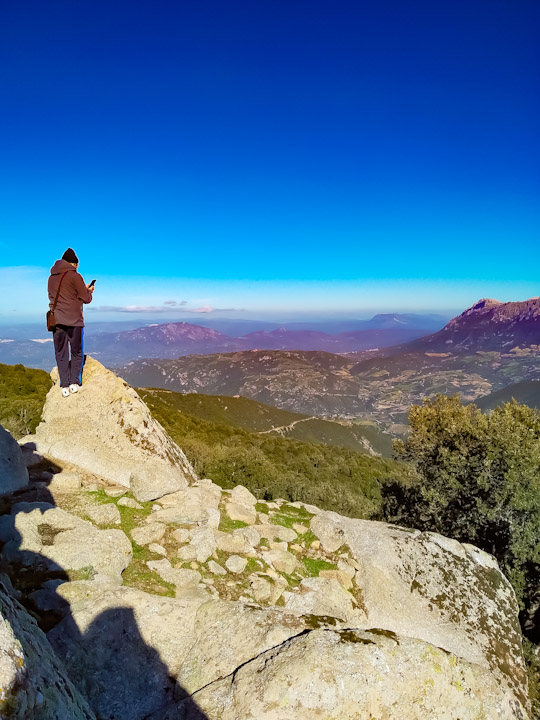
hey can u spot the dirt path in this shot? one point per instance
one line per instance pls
(286, 427)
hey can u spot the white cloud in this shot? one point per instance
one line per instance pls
(157, 309)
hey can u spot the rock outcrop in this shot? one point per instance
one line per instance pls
(13, 472)
(33, 682)
(430, 587)
(209, 604)
(106, 429)
(357, 675)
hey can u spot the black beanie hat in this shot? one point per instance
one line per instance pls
(70, 256)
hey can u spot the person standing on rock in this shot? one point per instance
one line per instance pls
(70, 291)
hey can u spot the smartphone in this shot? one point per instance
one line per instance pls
(92, 283)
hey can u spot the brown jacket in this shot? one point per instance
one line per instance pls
(73, 293)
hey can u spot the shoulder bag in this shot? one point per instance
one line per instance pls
(51, 320)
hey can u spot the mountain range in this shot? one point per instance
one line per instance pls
(480, 359)
(328, 385)
(487, 325)
(174, 339)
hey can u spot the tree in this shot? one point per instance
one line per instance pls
(477, 479)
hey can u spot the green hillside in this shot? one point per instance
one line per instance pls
(271, 466)
(236, 411)
(22, 395)
(253, 416)
(525, 393)
(355, 436)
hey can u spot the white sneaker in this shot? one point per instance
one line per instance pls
(74, 388)
(65, 392)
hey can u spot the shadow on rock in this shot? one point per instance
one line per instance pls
(138, 684)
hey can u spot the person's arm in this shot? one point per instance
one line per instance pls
(83, 293)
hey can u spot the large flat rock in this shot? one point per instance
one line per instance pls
(356, 675)
(426, 586)
(108, 430)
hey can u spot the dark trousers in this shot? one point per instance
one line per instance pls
(68, 340)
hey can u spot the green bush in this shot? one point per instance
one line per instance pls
(22, 396)
(477, 479)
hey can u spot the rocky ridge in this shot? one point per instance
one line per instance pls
(211, 603)
(486, 325)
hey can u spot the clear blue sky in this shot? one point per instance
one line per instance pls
(278, 155)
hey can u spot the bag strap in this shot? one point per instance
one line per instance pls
(58, 292)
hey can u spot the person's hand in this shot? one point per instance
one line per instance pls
(90, 287)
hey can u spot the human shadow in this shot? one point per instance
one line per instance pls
(115, 670)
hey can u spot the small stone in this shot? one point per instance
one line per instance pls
(213, 517)
(236, 564)
(216, 569)
(145, 534)
(210, 493)
(187, 552)
(65, 482)
(261, 588)
(316, 544)
(279, 546)
(250, 534)
(276, 532)
(296, 547)
(115, 491)
(278, 588)
(328, 531)
(181, 577)
(263, 518)
(242, 496)
(281, 560)
(300, 529)
(130, 503)
(189, 514)
(158, 549)
(233, 544)
(320, 596)
(346, 568)
(194, 566)
(181, 535)
(107, 514)
(239, 512)
(343, 578)
(208, 581)
(204, 543)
